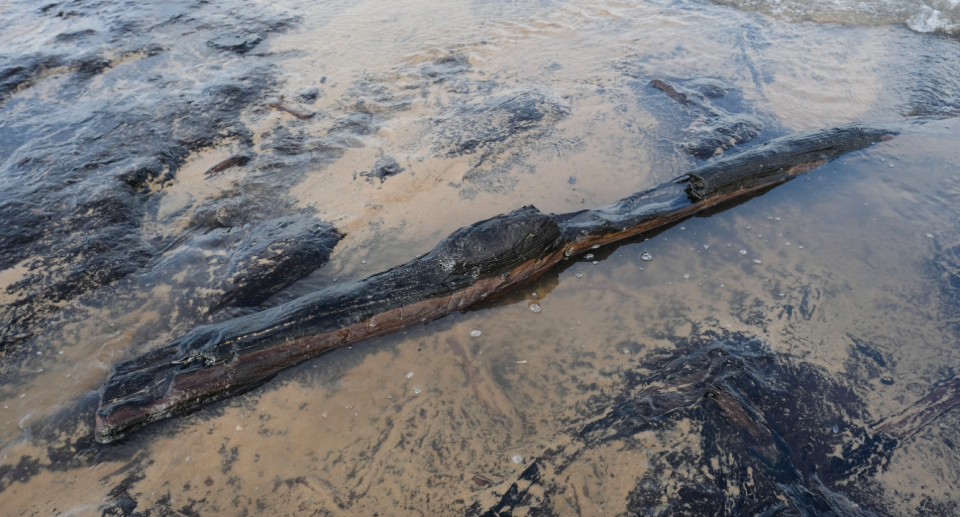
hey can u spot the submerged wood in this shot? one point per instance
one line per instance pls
(476, 262)
(238, 160)
(282, 105)
(716, 130)
(920, 413)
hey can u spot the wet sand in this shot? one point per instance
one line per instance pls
(847, 285)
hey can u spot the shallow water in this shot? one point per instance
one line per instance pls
(849, 315)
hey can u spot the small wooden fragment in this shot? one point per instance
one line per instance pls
(234, 161)
(294, 109)
(674, 93)
(919, 414)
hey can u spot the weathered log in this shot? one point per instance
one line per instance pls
(476, 262)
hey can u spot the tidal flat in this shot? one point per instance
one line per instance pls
(183, 164)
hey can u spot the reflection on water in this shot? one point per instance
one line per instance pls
(833, 296)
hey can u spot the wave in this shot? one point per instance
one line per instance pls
(919, 15)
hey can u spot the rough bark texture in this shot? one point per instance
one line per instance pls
(475, 262)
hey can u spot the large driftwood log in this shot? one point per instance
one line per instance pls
(476, 262)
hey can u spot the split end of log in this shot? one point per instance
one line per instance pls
(783, 157)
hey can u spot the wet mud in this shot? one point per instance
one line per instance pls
(80, 191)
(753, 457)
